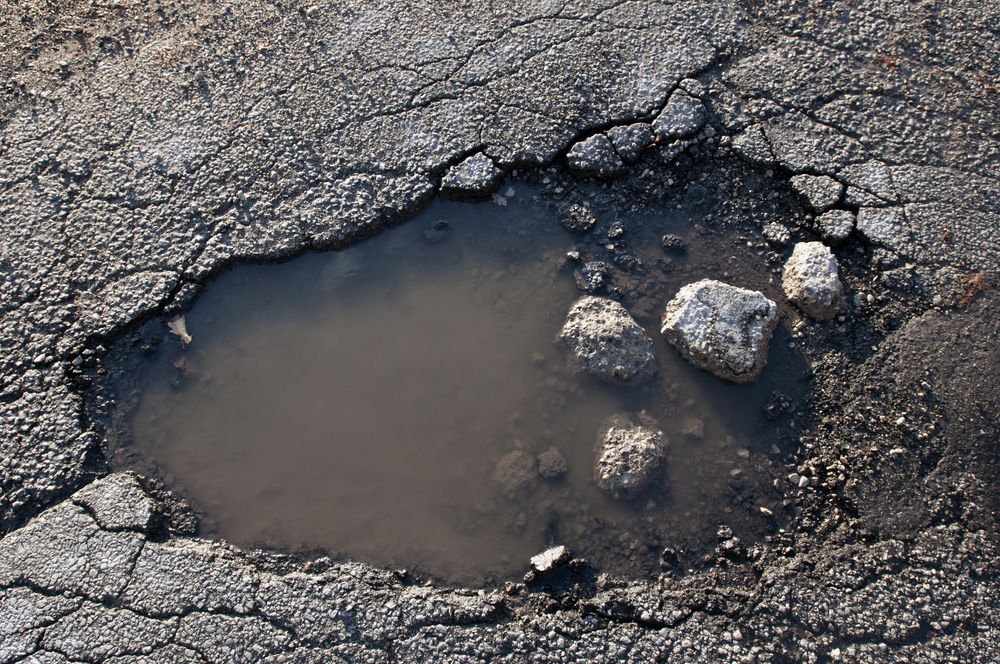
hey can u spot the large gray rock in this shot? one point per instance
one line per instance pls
(721, 328)
(682, 117)
(812, 282)
(595, 156)
(630, 449)
(477, 176)
(604, 341)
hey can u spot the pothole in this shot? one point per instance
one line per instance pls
(405, 401)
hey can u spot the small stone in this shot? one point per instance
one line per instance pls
(604, 341)
(777, 405)
(578, 219)
(616, 231)
(550, 559)
(438, 231)
(692, 427)
(552, 464)
(820, 192)
(674, 244)
(630, 449)
(777, 234)
(596, 157)
(590, 276)
(476, 177)
(682, 117)
(811, 281)
(516, 473)
(721, 328)
(836, 225)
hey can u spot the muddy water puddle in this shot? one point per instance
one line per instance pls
(360, 401)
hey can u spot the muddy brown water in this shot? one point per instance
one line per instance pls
(358, 401)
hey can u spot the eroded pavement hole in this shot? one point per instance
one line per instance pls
(406, 402)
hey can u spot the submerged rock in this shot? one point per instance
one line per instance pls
(674, 243)
(578, 219)
(550, 559)
(630, 449)
(682, 117)
(595, 156)
(812, 282)
(590, 276)
(604, 341)
(721, 328)
(552, 464)
(438, 231)
(477, 176)
(516, 473)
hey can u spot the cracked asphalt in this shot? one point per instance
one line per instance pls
(147, 147)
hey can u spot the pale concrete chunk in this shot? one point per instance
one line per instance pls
(721, 328)
(812, 282)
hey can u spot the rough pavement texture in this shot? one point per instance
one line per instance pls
(148, 146)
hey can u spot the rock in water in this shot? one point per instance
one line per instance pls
(812, 282)
(590, 276)
(721, 328)
(475, 177)
(552, 464)
(550, 559)
(606, 342)
(516, 473)
(630, 449)
(578, 219)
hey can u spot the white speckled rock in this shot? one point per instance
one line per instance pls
(630, 449)
(812, 282)
(721, 328)
(606, 342)
(550, 559)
